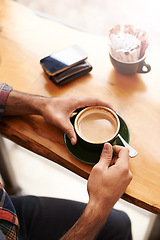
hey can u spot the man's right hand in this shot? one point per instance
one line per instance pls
(108, 182)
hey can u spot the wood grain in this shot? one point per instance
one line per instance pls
(24, 40)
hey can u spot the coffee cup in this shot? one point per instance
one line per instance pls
(96, 125)
(127, 49)
(130, 68)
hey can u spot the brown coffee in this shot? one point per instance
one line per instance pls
(97, 127)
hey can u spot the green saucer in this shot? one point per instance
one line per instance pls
(90, 156)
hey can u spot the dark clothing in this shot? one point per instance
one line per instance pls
(49, 218)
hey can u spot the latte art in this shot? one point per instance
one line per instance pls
(97, 127)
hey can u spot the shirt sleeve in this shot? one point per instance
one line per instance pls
(9, 224)
(8, 219)
(4, 93)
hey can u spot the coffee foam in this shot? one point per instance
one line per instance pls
(97, 125)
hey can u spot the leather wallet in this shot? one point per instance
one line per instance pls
(71, 73)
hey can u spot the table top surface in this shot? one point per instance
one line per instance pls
(26, 38)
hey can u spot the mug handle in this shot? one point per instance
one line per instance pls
(143, 67)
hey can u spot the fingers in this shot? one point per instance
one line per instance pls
(123, 162)
(93, 102)
(123, 154)
(70, 132)
(106, 155)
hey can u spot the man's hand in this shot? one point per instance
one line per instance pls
(58, 111)
(106, 185)
(108, 182)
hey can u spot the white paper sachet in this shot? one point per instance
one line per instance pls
(126, 43)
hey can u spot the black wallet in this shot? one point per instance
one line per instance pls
(71, 73)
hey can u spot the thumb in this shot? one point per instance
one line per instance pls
(106, 155)
(71, 133)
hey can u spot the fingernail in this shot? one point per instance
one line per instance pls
(73, 140)
(107, 147)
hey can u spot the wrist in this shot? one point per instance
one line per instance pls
(40, 104)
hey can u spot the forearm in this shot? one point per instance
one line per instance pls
(23, 104)
(89, 224)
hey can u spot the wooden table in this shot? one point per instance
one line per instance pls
(24, 39)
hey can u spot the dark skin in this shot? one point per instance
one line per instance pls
(108, 179)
